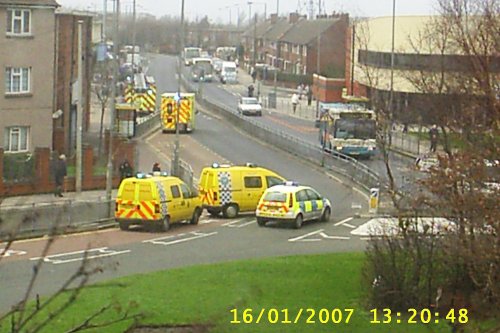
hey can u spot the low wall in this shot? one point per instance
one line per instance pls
(328, 90)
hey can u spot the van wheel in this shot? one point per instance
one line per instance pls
(196, 216)
(230, 211)
(325, 217)
(165, 224)
(213, 212)
(261, 222)
(298, 221)
(123, 226)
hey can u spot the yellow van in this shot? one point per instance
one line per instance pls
(155, 201)
(233, 189)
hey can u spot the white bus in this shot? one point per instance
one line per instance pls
(190, 53)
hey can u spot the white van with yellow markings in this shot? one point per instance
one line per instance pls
(292, 203)
(233, 189)
(155, 201)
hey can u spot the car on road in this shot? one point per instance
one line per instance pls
(249, 106)
(155, 201)
(292, 203)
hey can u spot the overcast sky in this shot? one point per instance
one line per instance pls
(219, 10)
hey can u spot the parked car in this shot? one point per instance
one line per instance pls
(250, 106)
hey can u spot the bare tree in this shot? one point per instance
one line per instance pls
(102, 90)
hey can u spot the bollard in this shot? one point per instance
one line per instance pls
(373, 201)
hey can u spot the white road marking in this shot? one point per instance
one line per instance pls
(10, 253)
(196, 235)
(355, 205)
(349, 225)
(102, 252)
(236, 223)
(306, 235)
(320, 232)
(343, 221)
(207, 221)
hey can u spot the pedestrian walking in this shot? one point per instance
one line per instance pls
(300, 90)
(156, 167)
(125, 170)
(295, 101)
(309, 95)
(254, 74)
(60, 171)
(433, 137)
(251, 88)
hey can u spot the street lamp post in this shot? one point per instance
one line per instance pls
(109, 169)
(391, 93)
(176, 170)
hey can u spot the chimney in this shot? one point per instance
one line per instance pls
(293, 18)
(274, 18)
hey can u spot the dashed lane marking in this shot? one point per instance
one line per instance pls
(9, 253)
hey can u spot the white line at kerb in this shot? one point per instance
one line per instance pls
(306, 235)
(343, 221)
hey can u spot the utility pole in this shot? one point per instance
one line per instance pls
(391, 93)
(79, 113)
(133, 42)
(175, 171)
(255, 40)
(278, 8)
(104, 12)
(318, 67)
(109, 170)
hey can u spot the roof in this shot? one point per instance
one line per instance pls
(50, 3)
(304, 31)
(260, 30)
(287, 188)
(277, 30)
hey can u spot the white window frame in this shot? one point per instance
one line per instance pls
(11, 73)
(12, 17)
(10, 133)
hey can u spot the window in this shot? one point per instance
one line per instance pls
(301, 196)
(18, 21)
(16, 139)
(17, 80)
(304, 51)
(175, 191)
(271, 181)
(313, 195)
(253, 182)
(186, 193)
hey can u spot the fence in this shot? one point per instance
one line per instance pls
(409, 143)
(145, 124)
(342, 164)
(39, 219)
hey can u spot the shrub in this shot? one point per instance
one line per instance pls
(18, 167)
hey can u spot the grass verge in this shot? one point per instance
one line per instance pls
(209, 293)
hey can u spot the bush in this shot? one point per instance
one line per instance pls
(18, 167)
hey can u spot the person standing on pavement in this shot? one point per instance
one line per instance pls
(156, 167)
(60, 171)
(300, 90)
(250, 90)
(433, 137)
(125, 170)
(309, 95)
(295, 101)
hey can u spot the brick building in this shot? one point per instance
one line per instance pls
(66, 71)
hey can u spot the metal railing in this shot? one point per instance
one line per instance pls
(145, 124)
(339, 163)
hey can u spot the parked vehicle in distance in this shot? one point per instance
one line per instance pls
(228, 72)
(292, 203)
(217, 63)
(155, 201)
(233, 189)
(249, 106)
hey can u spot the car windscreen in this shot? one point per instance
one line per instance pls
(275, 196)
(249, 101)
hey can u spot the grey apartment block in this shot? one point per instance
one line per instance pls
(27, 36)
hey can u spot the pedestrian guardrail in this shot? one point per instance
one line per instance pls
(145, 124)
(339, 163)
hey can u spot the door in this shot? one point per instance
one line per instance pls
(187, 211)
(253, 188)
(177, 204)
(316, 203)
(304, 203)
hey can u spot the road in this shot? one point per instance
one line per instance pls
(402, 167)
(213, 240)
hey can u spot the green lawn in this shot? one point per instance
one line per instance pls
(207, 293)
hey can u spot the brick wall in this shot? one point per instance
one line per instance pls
(327, 90)
(43, 180)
